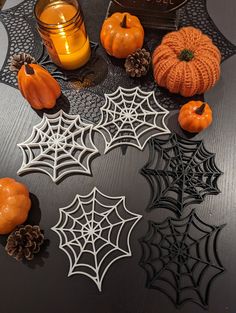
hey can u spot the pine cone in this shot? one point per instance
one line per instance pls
(24, 242)
(137, 64)
(17, 60)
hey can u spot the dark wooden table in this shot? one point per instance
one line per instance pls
(43, 286)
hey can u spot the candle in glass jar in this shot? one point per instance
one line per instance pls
(66, 39)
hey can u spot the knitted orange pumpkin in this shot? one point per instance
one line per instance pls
(186, 62)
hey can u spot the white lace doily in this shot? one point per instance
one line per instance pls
(94, 232)
(60, 144)
(131, 117)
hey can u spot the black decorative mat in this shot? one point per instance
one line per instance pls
(84, 89)
(181, 260)
(180, 172)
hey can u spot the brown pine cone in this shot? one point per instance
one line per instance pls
(137, 64)
(24, 242)
(17, 60)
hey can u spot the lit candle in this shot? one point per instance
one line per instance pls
(62, 29)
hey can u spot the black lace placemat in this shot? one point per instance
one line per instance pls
(84, 89)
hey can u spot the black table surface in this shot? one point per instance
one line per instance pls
(43, 285)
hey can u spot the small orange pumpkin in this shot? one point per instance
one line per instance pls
(186, 62)
(15, 204)
(195, 116)
(38, 87)
(122, 34)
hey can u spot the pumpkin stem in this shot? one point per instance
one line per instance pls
(29, 69)
(201, 109)
(186, 55)
(123, 24)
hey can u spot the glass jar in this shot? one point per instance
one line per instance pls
(61, 27)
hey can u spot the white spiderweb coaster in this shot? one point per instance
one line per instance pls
(60, 144)
(131, 117)
(94, 232)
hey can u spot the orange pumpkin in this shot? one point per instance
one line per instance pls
(38, 87)
(186, 62)
(15, 204)
(122, 34)
(195, 116)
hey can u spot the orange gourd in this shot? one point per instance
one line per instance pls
(186, 62)
(38, 87)
(122, 34)
(15, 204)
(195, 116)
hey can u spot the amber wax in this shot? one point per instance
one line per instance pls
(61, 26)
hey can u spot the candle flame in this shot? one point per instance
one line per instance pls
(62, 17)
(67, 47)
(63, 34)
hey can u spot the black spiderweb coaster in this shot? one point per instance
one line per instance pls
(180, 259)
(84, 89)
(180, 172)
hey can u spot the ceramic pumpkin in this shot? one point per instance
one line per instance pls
(38, 87)
(186, 62)
(15, 204)
(122, 34)
(195, 116)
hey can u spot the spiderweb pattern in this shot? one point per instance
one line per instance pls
(180, 172)
(131, 117)
(180, 258)
(94, 232)
(59, 145)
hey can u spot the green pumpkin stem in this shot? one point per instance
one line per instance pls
(201, 109)
(29, 70)
(186, 55)
(123, 24)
